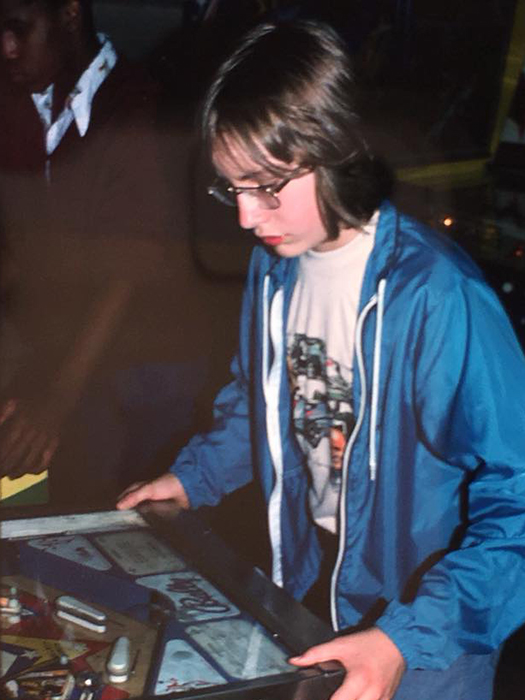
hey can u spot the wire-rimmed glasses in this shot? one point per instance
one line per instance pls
(265, 195)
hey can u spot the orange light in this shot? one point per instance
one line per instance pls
(448, 221)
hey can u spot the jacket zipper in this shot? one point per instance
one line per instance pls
(351, 441)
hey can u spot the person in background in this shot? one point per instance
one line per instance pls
(361, 321)
(85, 216)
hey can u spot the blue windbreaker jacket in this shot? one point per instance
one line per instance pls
(432, 510)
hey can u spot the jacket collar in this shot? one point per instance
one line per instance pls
(282, 271)
(386, 243)
(79, 102)
(384, 254)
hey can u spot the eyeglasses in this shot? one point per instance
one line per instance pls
(265, 195)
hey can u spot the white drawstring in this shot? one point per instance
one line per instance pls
(375, 379)
(265, 352)
(273, 333)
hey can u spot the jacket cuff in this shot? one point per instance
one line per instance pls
(186, 473)
(421, 645)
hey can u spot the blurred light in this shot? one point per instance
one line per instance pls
(448, 221)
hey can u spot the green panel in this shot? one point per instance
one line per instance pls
(33, 496)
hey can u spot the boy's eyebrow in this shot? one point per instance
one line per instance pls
(242, 177)
(253, 175)
(246, 177)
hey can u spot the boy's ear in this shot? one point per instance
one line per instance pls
(71, 15)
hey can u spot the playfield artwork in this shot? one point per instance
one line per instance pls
(114, 612)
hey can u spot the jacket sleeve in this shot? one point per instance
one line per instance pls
(215, 463)
(469, 396)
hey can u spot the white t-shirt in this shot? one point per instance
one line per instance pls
(320, 340)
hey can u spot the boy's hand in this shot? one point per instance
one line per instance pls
(374, 665)
(166, 487)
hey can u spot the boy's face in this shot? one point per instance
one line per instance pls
(296, 225)
(30, 44)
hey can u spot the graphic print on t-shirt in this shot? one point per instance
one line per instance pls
(322, 412)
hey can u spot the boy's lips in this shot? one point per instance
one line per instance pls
(273, 240)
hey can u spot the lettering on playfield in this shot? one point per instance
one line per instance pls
(192, 596)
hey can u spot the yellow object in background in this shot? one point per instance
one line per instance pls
(29, 489)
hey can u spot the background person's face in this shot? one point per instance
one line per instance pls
(30, 44)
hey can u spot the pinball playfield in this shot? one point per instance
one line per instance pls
(110, 605)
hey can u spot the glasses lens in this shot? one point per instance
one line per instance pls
(220, 191)
(266, 200)
(268, 197)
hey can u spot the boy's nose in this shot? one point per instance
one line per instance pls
(250, 212)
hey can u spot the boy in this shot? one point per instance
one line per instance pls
(361, 326)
